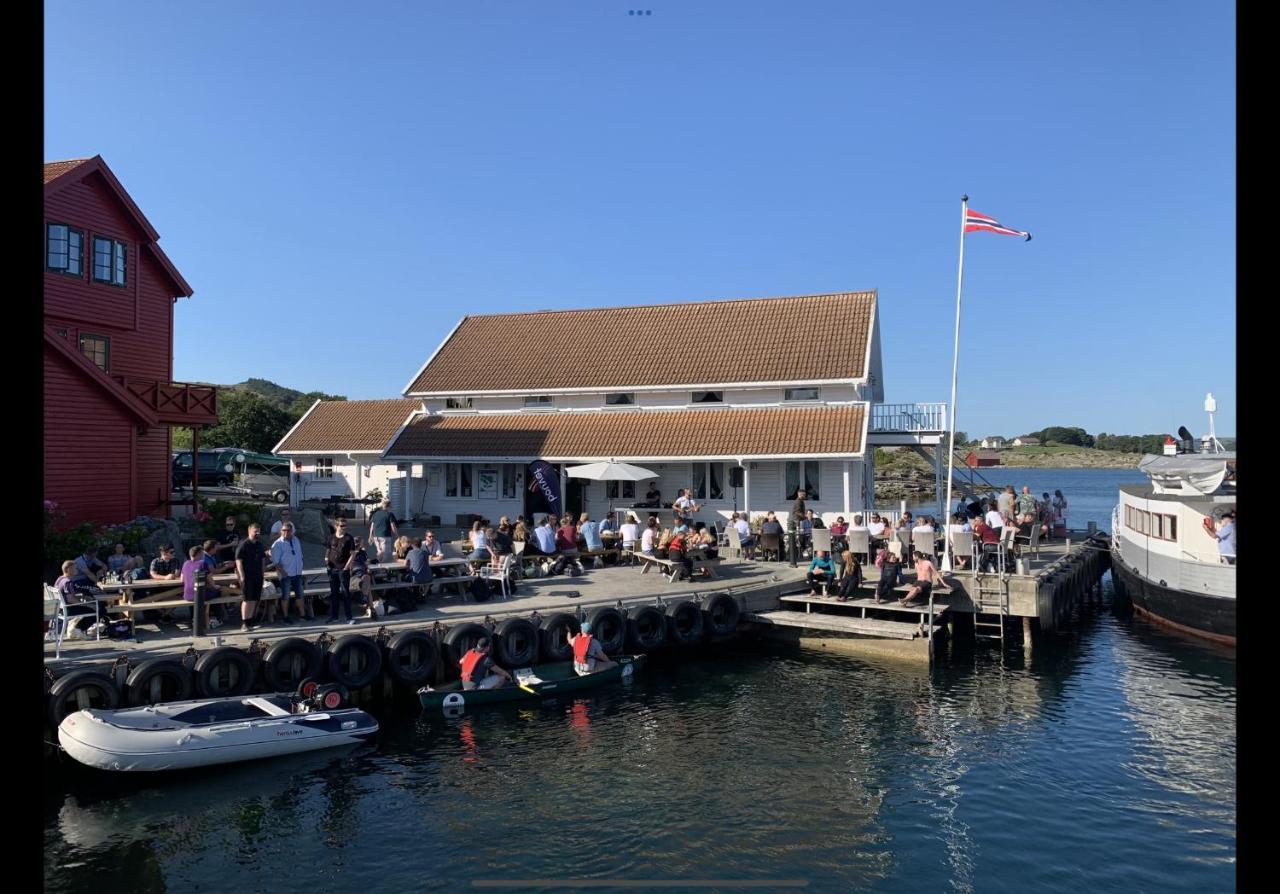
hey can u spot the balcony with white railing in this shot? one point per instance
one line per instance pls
(909, 418)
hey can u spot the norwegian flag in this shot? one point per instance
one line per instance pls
(975, 221)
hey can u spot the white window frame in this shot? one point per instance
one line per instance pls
(693, 398)
(817, 395)
(629, 399)
(539, 400)
(453, 476)
(509, 486)
(463, 403)
(705, 496)
(804, 465)
(323, 467)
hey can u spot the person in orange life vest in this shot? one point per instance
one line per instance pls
(478, 669)
(588, 654)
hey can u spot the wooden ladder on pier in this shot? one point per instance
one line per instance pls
(992, 598)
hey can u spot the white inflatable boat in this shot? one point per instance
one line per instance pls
(179, 735)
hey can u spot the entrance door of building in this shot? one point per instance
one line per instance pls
(574, 498)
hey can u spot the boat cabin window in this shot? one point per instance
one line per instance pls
(223, 712)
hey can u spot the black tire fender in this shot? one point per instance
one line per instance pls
(684, 622)
(517, 643)
(458, 639)
(554, 637)
(609, 627)
(646, 628)
(720, 613)
(157, 680)
(65, 694)
(411, 657)
(288, 662)
(354, 660)
(223, 672)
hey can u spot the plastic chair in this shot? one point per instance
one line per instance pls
(860, 543)
(962, 546)
(923, 542)
(771, 543)
(502, 571)
(820, 538)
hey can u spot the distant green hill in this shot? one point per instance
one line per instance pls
(253, 414)
(289, 399)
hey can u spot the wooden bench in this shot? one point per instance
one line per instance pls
(665, 566)
(600, 554)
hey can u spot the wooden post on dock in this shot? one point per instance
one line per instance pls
(1026, 638)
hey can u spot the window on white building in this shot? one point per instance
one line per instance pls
(611, 490)
(801, 394)
(708, 481)
(619, 399)
(457, 403)
(802, 473)
(510, 482)
(324, 467)
(707, 397)
(539, 400)
(457, 480)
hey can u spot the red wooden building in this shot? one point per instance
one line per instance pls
(981, 459)
(109, 400)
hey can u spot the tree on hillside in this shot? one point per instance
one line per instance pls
(245, 420)
(1131, 443)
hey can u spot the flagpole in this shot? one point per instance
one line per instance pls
(955, 368)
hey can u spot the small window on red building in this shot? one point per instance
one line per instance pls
(98, 349)
(109, 261)
(65, 250)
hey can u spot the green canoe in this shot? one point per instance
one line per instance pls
(539, 681)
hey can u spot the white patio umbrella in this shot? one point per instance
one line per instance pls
(610, 471)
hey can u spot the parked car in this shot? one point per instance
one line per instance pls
(263, 473)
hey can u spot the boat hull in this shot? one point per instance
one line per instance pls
(91, 738)
(555, 679)
(1195, 614)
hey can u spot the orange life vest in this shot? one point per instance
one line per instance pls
(581, 643)
(469, 662)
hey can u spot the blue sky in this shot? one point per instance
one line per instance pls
(341, 182)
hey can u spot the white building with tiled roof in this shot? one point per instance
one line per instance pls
(742, 401)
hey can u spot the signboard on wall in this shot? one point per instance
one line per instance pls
(487, 484)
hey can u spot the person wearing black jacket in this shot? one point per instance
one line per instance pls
(851, 580)
(338, 549)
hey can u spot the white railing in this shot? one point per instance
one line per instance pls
(909, 417)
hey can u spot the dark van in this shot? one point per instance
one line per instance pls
(217, 468)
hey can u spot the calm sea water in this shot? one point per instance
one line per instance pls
(1105, 763)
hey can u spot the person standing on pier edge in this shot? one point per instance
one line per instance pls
(338, 550)
(286, 557)
(1004, 503)
(250, 557)
(382, 530)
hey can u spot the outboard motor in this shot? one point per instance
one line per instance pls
(322, 698)
(1188, 440)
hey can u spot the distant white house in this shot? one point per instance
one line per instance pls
(1026, 442)
(993, 443)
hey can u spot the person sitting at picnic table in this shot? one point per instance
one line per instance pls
(677, 549)
(664, 541)
(123, 565)
(989, 543)
(478, 670)
(927, 576)
(165, 566)
(815, 520)
(606, 525)
(520, 533)
(502, 537)
(544, 538)
(649, 539)
(567, 537)
(839, 531)
(78, 603)
(435, 550)
(401, 548)
(923, 525)
(905, 523)
(194, 565)
(629, 532)
(479, 541)
(361, 579)
(706, 541)
(959, 525)
(588, 655)
(590, 532)
(228, 540)
(90, 570)
(745, 537)
(822, 571)
(652, 496)
(417, 564)
(286, 559)
(875, 529)
(850, 577)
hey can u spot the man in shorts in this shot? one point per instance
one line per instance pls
(926, 576)
(250, 562)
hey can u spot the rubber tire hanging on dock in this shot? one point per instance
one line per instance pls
(281, 669)
(646, 628)
(157, 680)
(64, 694)
(609, 628)
(720, 613)
(224, 672)
(516, 643)
(684, 622)
(460, 638)
(554, 638)
(411, 657)
(360, 650)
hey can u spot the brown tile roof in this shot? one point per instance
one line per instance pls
(339, 426)
(55, 169)
(638, 434)
(802, 338)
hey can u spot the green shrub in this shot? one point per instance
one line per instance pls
(218, 510)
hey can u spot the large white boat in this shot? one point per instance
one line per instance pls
(1164, 556)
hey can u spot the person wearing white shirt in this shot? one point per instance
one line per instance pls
(286, 557)
(994, 519)
(649, 539)
(859, 526)
(546, 536)
(875, 527)
(629, 532)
